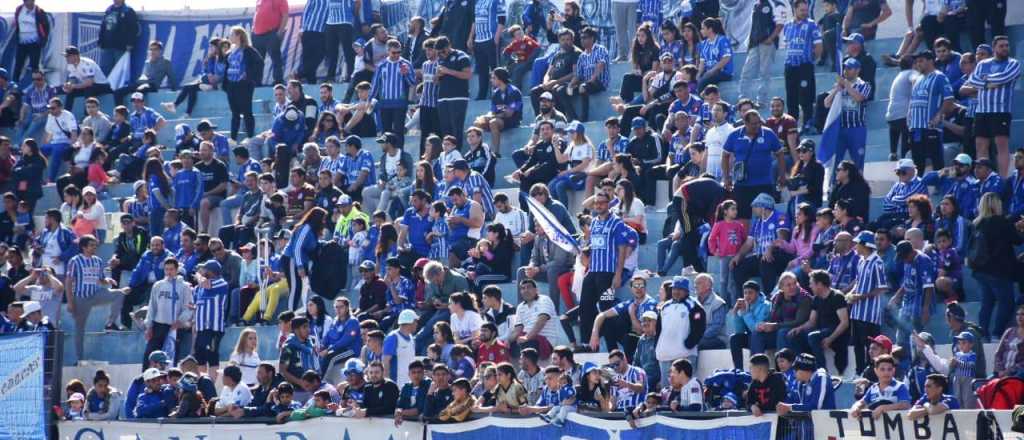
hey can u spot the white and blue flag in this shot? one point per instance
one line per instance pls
(552, 227)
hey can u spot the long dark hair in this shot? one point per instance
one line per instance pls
(805, 228)
(429, 183)
(628, 195)
(626, 161)
(155, 168)
(316, 218)
(691, 48)
(651, 45)
(388, 236)
(321, 310)
(856, 178)
(465, 300)
(33, 146)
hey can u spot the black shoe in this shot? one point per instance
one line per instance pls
(113, 328)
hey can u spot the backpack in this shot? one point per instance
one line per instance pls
(1001, 393)
(324, 277)
(978, 252)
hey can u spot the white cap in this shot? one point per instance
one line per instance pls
(152, 373)
(31, 306)
(650, 314)
(138, 96)
(905, 164)
(407, 317)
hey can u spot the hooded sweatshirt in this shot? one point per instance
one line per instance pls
(168, 302)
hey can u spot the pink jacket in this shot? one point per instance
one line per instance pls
(726, 238)
(797, 246)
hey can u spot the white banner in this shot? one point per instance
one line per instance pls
(951, 425)
(326, 428)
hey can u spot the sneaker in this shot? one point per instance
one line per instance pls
(113, 328)
(169, 107)
(545, 418)
(511, 179)
(892, 157)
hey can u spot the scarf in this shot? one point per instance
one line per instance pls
(309, 358)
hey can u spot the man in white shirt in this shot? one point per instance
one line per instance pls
(235, 394)
(691, 395)
(682, 326)
(535, 320)
(84, 77)
(61, 133)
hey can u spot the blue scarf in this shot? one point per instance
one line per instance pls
(310, 360)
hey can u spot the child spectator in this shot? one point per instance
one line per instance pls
(119, 139)
(462, 402)
(96, 175)
(727, 235)
(476, 264)
(959, 368)
(649, 407)
(462, 362)
(283, 406)
(357, 242)
(949, 265)
(188, 188)
(76, 407)
(320, 408)
(644, 357)
(24, 226)
(564, 399)
(438, 235)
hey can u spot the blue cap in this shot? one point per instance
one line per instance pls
(855, 38)
(353, 366)
(638, 122)
(212, 266)
(763, 200)
(577, 127)
(730, 396)
(965, 336)
(359, 42)
(181, 130)
(851, 63)
(588, 367)
(354, 141)
(188, 383)
(4, 74)
(681, 282)
(984, 47)
(159, 357)
(866, 238)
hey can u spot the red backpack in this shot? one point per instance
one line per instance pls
(1001, 393)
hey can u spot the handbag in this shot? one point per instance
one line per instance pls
(739, 168)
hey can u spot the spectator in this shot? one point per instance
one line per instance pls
(991, 259)
(769, 17)
(865, 16)
(767, 388)
(461, 404)
(593, 394)
(269, 24)
(61, 133)
(210, 315)
(155, 72)
(412, 398)
(380, 393)
(399, 349)
(715, 54)
(747, 160)
(118, 34)
(244, 72)
(749, 314)
(85, 286)
(899, 105)
(624, 326)
(441, 283)
(83, 77)
(715, 336)
(682, 318)
(158, 399)
(863, 299)
(879, 398)
(1008, 362)
(32, 26)
(993, 80)
(214, 66)
(170, 303)
(33, 112)
(103, 402)
(631, 386)
(934, 402)
(931, 98)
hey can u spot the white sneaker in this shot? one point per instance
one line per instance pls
(169, 107)
(511, 179)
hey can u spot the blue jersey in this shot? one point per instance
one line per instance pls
(588, 62)
(142, 120)
(965, 363)
(755, 152)
(236, 66)
(172, 237)
(511, 99)
(390, 86)
(353, 166)
(870, 276)
(608, 149)
(87, 272)
(625, 398)
(648, 304)
(713, 51)
(763, 231)
(896, 392)
(605, 238)
(211, 305)
(816, 393)
(691, 107)
(188, 189)
(853, 111)
(650, 10)
(314, 16)
(340, 11)
(428, 96)
(895, 202)
(487, 15)
(926, 98)
(1014, 192)
(406, 291)
(949, 401)
(801, 37)
(476, 183)
(418, 226)
(918, 276)
(843, 269)
(1001, 76)
(964, 190)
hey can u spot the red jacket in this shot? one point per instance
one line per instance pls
(522, 49)
(42, 23)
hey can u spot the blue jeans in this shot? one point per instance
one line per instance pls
(669, 251)
(156, 221)
(30, 126)
(851, 140)
(814, 339)
(55, 155)
(108, 58)
(995, 289)
(229, 204)
(561, 185)
(782, 341)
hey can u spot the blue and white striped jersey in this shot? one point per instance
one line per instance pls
(428, 95)
(605, 238)
(87, 273)
(870, 276)
(926, 98)
(853, 111)
(587, 64)
(439, 245)
(211, 305)
(314, 16)
(608, 149)
(625, 398)
(487, 15)
(994, 80)
(918, 275)
(390, 86)
(340, 12)
(800, 38)
(895, 202)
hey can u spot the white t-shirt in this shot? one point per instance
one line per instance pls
(86, 69)
(391, 163)
(714, 140)
(41, 294)
(465, 326)
(239, 396)
(59, 127)
(248, 363)
(527, 315)
(447, 157)
(51, 252)
(580, 152)
(691, 394)
(27, 32)
(83, 154)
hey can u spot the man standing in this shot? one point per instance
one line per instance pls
(170, 303)
(118, 32)
(591, 76)
(400, 349)
(913, 300)
(32, 26)
(85, 287)
(803, 42)
(609, 246)
(453, 73)
(391, 81)
(865, 297)
(993, 81)
(210, 312)
(852, 94)
(215, 184)
(930, 100)
(769, 18)
(747, 161)
(314, 20)
(487, 26)
(269, 22)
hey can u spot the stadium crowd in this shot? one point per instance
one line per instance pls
(388, 268)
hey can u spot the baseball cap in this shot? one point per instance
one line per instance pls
(965, 336)
(983, 48)
(805, 362)
(151, 374)
(926, 54)
(638, 122)
(212, 266)
(407, 317)
(883, 341)
(387, 138)
(904, 248)
(353, 366)
(854, 38)
(76, 397)
(665, 56)
(905, 164)
(963, 159)
(204, 125)
(577, 127)
(71, 50)
(588, 367)
(851, 63)
(181, 130)
(866, 238)
(928, 338)
(650, 314)
(89, 190)
(344, 200)
(368, 265)
(30, 306)
(359, 42)
(547, 95)
(806, 145)
(460, 164)
(680, 282)
(763, 200)
(354, 141)
(138, 96)
(159, 357)
(560, 126)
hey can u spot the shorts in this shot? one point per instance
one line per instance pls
(745, 195)
(214, 201)
(207, 348)
(988, 125)
(461, 248)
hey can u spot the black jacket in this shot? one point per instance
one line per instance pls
(119, 28)
(253, 63)
(380, 399)
(126, 252)
(993, 241)
(859, 194)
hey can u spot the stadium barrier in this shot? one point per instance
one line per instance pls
(953, 425)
